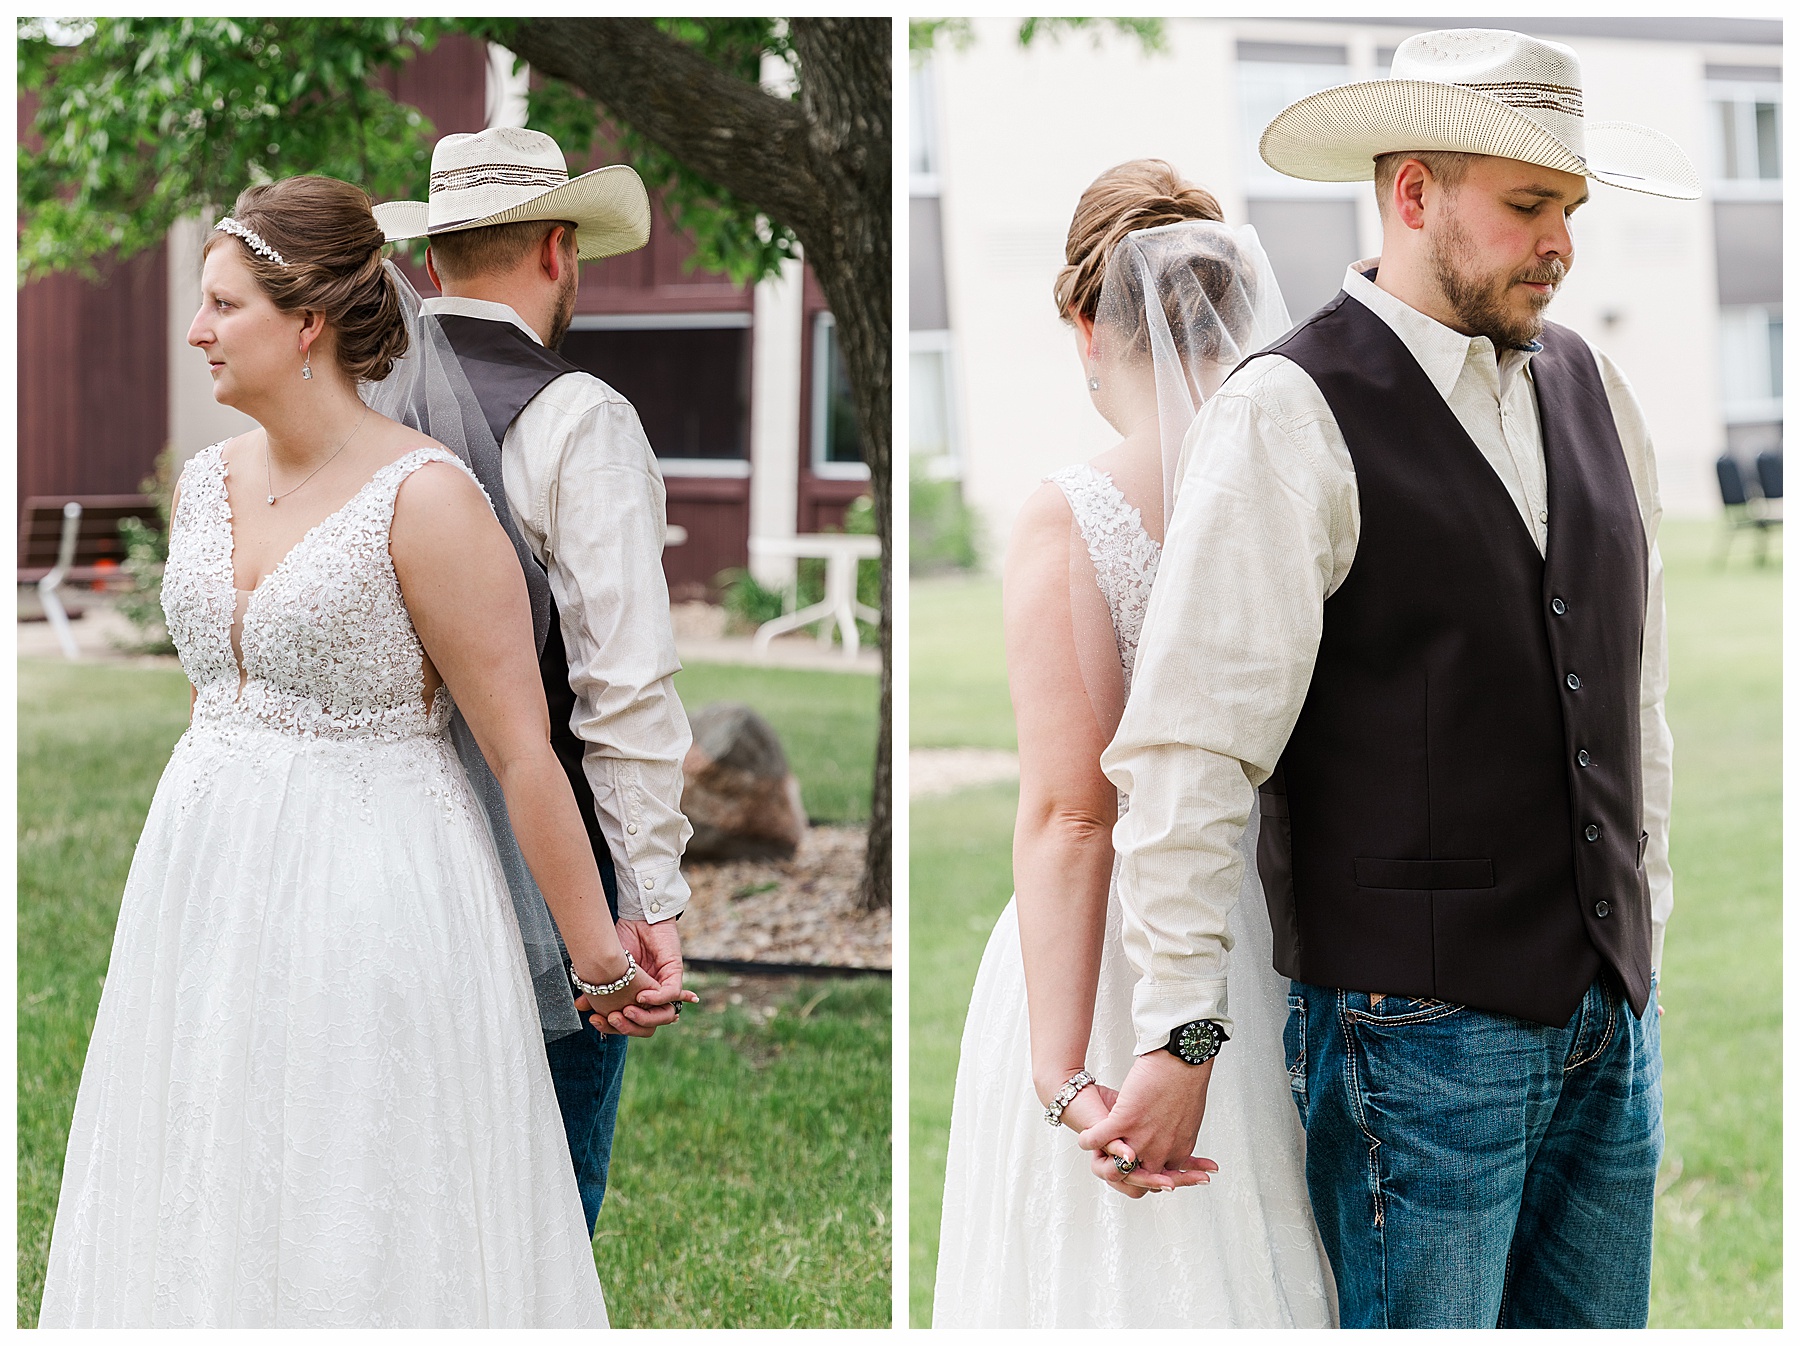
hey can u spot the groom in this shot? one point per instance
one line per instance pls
(1411, 590)
(578, 489)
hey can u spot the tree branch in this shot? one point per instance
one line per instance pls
(752, 144)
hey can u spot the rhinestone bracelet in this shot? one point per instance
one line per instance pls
(1066, 1095)
(611, 987)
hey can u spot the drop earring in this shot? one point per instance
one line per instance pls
(306, 368)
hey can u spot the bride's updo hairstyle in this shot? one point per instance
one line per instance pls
(330, 250)
(1148, 194)
(1141, 194)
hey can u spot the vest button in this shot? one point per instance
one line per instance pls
(1574, 683)
(1603, 909)
(1592, 833)
(1582, 758)
(1558, 606)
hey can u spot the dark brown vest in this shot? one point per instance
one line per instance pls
(506, 369)
(1458, 812)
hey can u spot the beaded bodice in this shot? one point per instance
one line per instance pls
(1124, 555)
(328, 648)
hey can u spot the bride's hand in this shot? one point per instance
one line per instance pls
(599, 972)
(1156, 1119)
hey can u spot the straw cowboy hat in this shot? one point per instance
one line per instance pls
(506, 175)
(1477, 91)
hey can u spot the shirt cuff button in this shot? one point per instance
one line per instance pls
(631, 829)
(656, 906)
(649, 884)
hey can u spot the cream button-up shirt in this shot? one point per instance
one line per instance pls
(1264, 530)
(587, 495)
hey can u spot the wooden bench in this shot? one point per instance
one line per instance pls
(99, 550)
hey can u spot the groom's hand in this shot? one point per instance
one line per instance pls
(1156, 1118)
(657, 949)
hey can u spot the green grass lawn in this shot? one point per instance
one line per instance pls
(1718, 1225)
(958, 697)
(826, 722)
(751, 1183)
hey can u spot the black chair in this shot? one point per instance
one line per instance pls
(1768, 473)
(1742, 508)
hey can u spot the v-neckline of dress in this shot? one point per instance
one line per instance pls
(243, 625)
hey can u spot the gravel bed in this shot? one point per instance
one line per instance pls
(799, 911)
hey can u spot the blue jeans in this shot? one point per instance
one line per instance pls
(1475, 1170)
(588, 1069)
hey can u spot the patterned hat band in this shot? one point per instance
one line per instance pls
(1524, 94)
(252, 239)
(495, 175)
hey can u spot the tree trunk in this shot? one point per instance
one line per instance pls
(822, 165)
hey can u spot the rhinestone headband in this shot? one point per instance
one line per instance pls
(252, 239)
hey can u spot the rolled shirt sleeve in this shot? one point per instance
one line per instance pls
(589, 498)
(1263, 530)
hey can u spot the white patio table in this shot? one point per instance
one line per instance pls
(840, 552)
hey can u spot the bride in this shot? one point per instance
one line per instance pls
(315, 1094)
(1164, 299)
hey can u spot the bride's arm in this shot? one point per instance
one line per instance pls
(1062, 841)
(461, 581)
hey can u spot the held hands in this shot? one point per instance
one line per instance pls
(1155, 1119)
(651, 1001)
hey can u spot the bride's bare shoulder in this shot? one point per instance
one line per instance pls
(1042, 524)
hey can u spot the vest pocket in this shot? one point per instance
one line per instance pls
(1430, 875)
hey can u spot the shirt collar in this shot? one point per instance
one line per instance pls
(1442, 352)
(482, 308)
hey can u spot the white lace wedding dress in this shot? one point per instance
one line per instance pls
(316, 1093)
(1030, 1238)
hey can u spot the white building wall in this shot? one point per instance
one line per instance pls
(1022, 132)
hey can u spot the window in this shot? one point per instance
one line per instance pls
(837, 443)
(1750, 363)
(921, 143)
(1744, 113)
(928, 400)
(688, 376)
(1309, 229)
(932, 425)
(1270, 76)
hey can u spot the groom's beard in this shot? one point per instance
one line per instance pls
(1488, 305)
(565, 312)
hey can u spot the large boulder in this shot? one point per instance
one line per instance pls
(738, 793)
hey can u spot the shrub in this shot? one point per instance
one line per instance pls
(146, 553)
(945, 531)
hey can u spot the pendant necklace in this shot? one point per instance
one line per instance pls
(269, 462)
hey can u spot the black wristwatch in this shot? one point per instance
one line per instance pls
(1197, 1042)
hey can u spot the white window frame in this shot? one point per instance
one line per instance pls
(1743, 95)
(1751, 411)
(823, 322)
(948, 465)
(922, 105)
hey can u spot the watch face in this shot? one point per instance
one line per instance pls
(1196, 1042)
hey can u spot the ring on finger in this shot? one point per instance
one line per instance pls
(1124, 1165)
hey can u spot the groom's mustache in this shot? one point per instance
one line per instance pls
(1551, 273)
